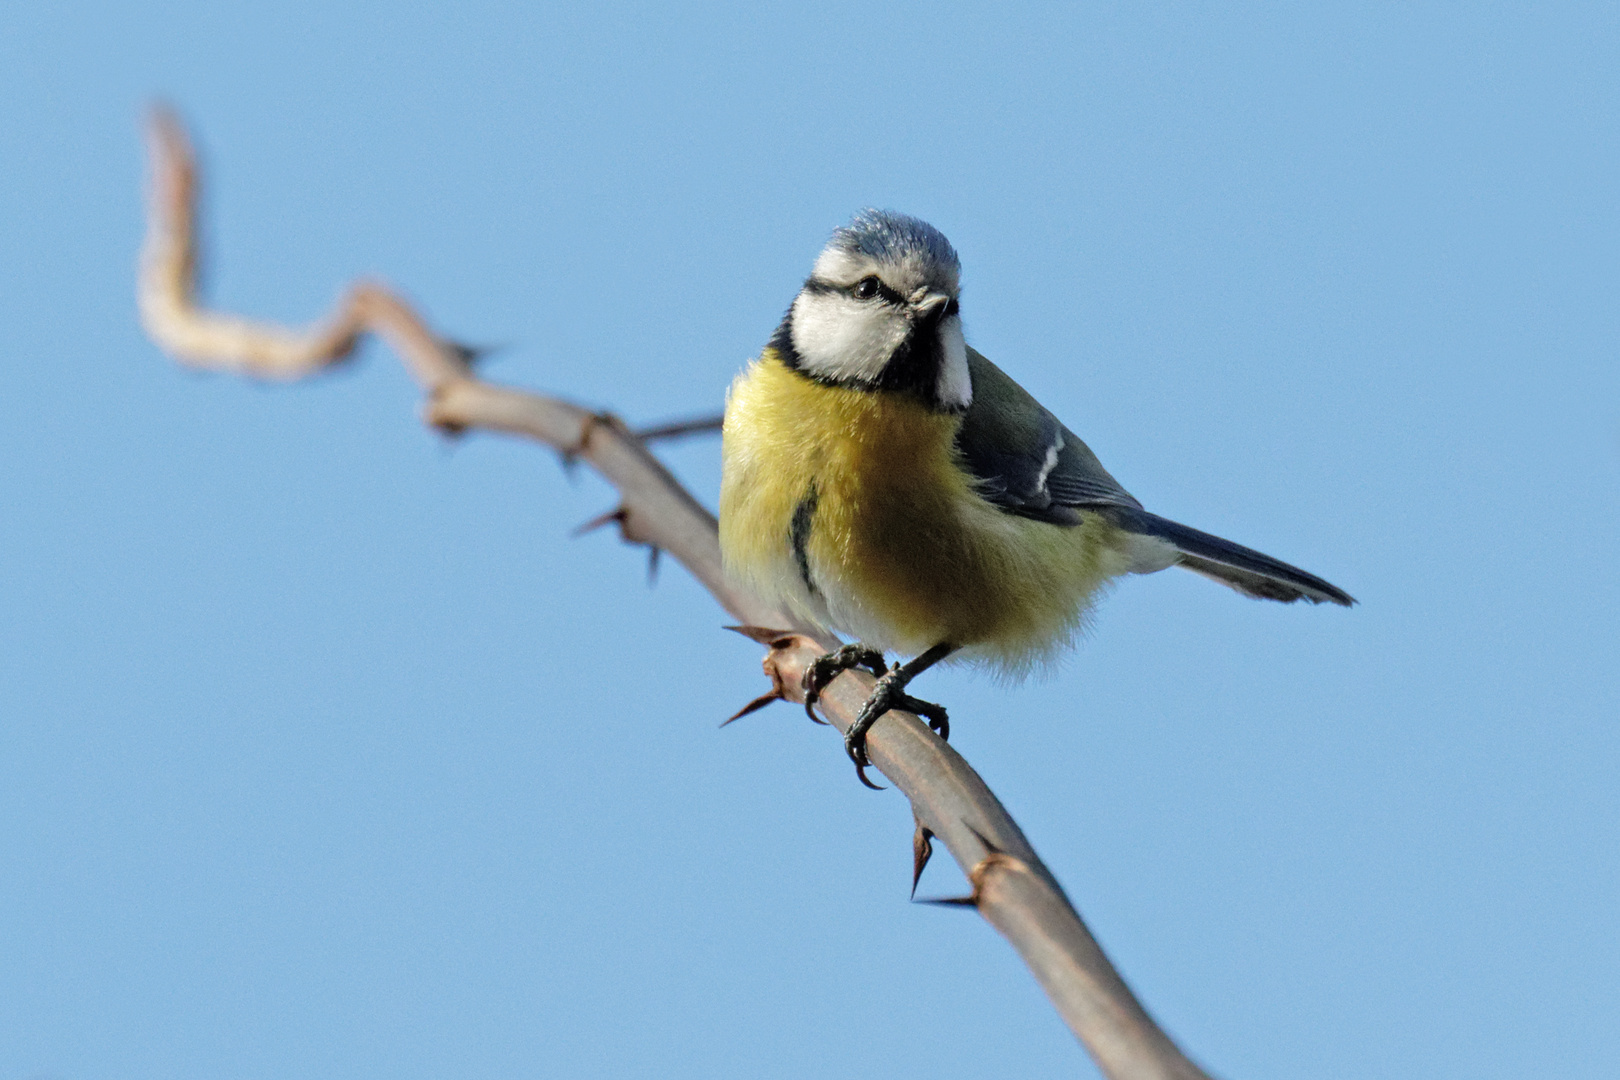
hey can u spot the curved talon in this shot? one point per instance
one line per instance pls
(887, 696)
(890, 693)
(827, 668)
(855, 747)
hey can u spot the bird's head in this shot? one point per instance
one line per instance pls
(879, 312)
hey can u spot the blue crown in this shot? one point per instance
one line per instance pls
(892, 237)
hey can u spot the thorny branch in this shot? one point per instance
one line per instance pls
(1011, 887)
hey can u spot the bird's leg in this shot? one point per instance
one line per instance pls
(890, 694)
(827, 668)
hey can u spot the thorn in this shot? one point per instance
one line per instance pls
(617, 514)
(467, 354)
(922, 849)
(680, 428)
(776, 639)
(471, 354)
(994, 856)
(653, 551)
(754, 706)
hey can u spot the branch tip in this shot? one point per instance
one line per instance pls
(171, 145)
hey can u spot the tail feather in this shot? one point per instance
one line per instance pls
(1234, 565)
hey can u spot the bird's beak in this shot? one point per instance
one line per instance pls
(929, 304)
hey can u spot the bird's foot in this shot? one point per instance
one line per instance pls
(827, 668)
(889, 694)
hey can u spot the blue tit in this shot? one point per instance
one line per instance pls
(884, 480)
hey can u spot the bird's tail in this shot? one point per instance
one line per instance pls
(1241, 568)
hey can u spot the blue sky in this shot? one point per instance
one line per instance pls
(325, 749)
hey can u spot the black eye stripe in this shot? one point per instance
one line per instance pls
(884, 293)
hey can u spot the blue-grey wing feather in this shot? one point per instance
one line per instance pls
(1025, 460)
(1029, 464)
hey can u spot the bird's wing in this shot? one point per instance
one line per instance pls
(1029, 464)
(1025, 460)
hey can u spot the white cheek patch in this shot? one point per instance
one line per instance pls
(845, 340)
(955, 387)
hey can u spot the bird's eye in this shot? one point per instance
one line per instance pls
(866, 288)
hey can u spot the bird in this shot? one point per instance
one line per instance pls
(883, 480)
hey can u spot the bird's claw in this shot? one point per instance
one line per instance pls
(827, 668)
(936, 716)
(887, 696)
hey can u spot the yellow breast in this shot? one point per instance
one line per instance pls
(850, 506)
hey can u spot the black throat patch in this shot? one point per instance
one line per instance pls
(912, 369)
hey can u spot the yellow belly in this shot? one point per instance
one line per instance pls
(901, 551)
